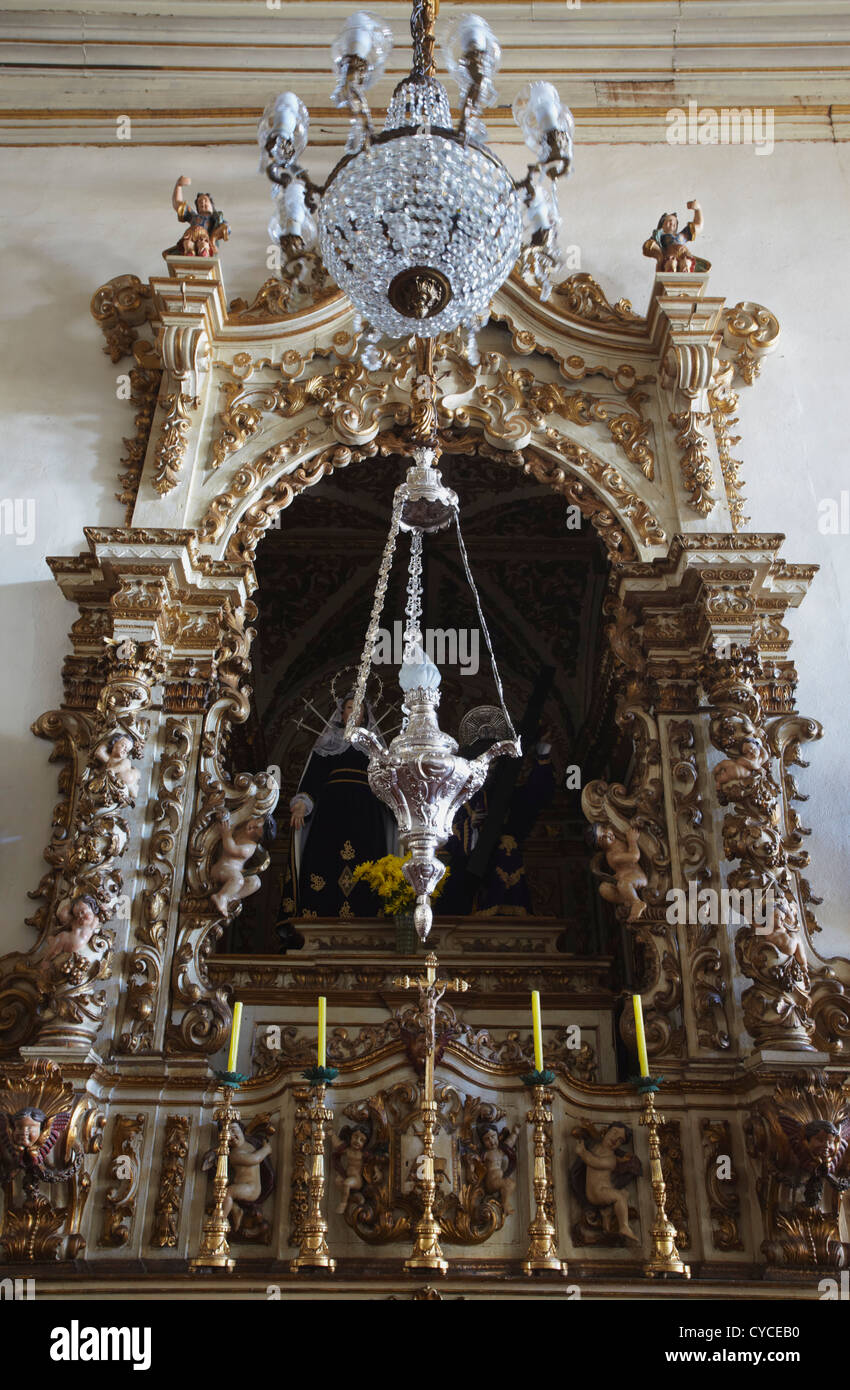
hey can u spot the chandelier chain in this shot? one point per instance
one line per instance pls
(422, 18)
(471, 582)
(375, 619)
(413, 608)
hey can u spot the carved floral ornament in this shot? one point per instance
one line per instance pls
(511, 407)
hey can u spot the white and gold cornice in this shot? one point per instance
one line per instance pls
(200, 71)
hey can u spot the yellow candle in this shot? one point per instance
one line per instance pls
(538, 1032)
(323, 1007)
(640, 1035)
(234, 1036)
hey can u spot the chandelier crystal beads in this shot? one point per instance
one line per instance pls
(421, 223)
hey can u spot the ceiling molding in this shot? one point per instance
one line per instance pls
(200, 71)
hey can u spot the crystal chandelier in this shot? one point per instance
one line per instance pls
(421, 223)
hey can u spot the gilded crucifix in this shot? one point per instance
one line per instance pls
(426, 1247)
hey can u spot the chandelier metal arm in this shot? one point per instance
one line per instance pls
(513, 745)
(353, 96)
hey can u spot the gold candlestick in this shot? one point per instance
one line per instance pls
(541, 1244)
(313, 1252)
(666, 1261)
(214, 1252)
(426, 1253)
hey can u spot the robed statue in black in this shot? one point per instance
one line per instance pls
(337, 823)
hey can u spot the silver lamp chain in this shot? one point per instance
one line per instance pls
(375, 619)
(471, 582)
(413, 608)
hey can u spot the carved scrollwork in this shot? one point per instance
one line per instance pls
(146, 964)
(754, 332)
(120, 307)
(173, 440)
(723, 402)
(695, 463)
(125, 1170)
(581, 296)
(86, 892)
(706, 972)
(770, 949)
(721, 1185)
(172, 1177)
(201, 1014)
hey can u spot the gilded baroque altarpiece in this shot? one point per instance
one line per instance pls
(240, 410)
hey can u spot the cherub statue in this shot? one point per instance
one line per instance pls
(782, 928)
(751, 759)
(238, 847)
(205, 219)
(498, 1155)
(114, 753)
(79, 919)
(602, 1171)
(622, 853)
(27, 1137)
(667, 246)
(348, 1156)
(816, 1151)
(250, 1174)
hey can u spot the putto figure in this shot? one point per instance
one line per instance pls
(627, 878)
(207, 226)
(668, 246)
(348, 1156)
(498, 1157)
(751, 759)
(602, 1171)
(240, 850)
(251, 1175)
(78, 918)
(115, 754)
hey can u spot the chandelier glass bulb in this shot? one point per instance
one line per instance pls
(361, 48)
(547, 125)
(473, 55)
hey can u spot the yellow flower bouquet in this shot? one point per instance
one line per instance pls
(385, 877)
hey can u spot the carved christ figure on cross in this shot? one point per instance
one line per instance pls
(431, 991)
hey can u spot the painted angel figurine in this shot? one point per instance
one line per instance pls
(497, 1155)
(240, 850)
(114, 753)
(251, 1176)
(622, 854)
(602, 1171)
(27, 1137)
(206, 228)
(668, 246)
(79, 920)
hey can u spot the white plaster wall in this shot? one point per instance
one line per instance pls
(776, 232)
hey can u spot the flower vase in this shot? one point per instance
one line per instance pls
(406, 940)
